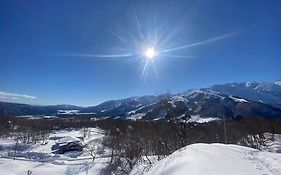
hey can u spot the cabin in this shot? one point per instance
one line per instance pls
(67, 144)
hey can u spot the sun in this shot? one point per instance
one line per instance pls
(150, 53)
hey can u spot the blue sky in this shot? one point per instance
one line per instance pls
(53, 52)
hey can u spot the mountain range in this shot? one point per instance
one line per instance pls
(232, 100)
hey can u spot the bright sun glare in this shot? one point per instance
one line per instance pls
(150, 53)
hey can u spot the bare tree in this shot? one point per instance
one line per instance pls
(16, 145)
(92, 149)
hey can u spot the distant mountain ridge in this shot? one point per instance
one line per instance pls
(17, 109)
(231, 100)
(264, 92)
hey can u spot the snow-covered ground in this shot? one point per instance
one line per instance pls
(196, 159)
(218, 159)
(20, 167)
(39, 158)
(198, 119)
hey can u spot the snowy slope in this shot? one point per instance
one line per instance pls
(218, 159)
(265, 92)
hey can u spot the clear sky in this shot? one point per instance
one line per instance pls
(87, 52)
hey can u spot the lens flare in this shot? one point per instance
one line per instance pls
(150, 53)
(146, 40)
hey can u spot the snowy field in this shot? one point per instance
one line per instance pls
(196, 159)
(218, 159)
(39, 158)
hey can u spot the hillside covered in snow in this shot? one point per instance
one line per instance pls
(218, 159)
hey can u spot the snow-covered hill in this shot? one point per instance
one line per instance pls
(218, 159)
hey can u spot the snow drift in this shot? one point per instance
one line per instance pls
(218, 159)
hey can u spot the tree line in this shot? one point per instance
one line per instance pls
(129, 141)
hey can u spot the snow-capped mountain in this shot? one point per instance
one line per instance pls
(206, 104)
(264, 92)
(120, 107)
(232, 100)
